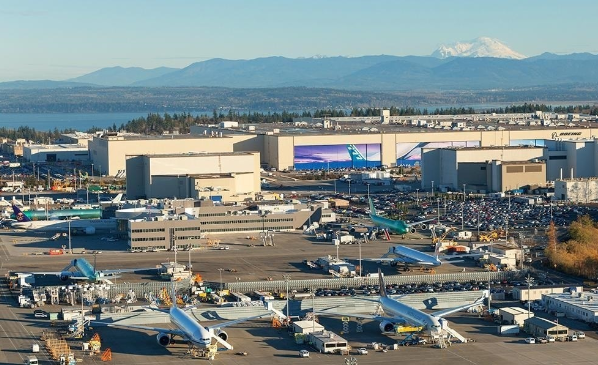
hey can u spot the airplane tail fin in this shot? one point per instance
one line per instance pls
(355, 154)
(372, 209)
(382, 285)
(19, 215)
(117, 198)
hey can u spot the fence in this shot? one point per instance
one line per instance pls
(281, 285)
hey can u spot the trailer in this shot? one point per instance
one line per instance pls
(512, 329)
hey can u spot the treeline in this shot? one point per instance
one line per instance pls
(530, 108)
(155, 123)
(579, 255)
(32, 135)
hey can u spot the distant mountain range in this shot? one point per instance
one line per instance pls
(481, 64)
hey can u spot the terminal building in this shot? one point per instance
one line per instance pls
(188, 223)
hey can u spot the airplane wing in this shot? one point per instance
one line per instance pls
(236, 321)
(446, 312)
(155, 329)
(119, 271)
(356, 315)
(419, 222)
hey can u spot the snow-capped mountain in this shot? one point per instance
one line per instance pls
(479, 47)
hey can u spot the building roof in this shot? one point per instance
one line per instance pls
(542, 323)
(585, 300)
(197, 154)
(514, 310)
(327, 336)
(57, 147)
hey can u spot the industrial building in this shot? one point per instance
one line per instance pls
(188, 227)
(55, 152)
(109, 150)
(535, 292)
(541, 327)
(483, 169)
(580, 190)
(576, 304)
(223, 176)
(514, 315)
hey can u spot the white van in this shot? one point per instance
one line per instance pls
(31, 360)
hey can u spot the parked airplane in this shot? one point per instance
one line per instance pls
(77, 226)
(81, 269)
(190, 330)
(396, 226)
(60, 214)
(397, 312)
(409, 256)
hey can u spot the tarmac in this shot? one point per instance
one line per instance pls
(19, 330)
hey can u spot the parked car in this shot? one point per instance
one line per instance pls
(38, 313)
(303, 353)
(362, 351)
(541, 340)
(572, 338)
(580, 335)
(550, 338)
(530, 340)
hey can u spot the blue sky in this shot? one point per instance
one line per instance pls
(58, 39)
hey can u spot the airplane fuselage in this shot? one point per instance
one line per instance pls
(412, 256)
(395, 226)
(195, 333)
(55, 225)
(394, 308)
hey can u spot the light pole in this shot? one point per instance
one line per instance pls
(417, 196)
(286, 278)
(190, 266)
(462, 208)
(438, 209)
(349, 187)
(432, 187)
(70, 247)
(220, 271)
(529, 281)
(368, 190)
(91, 172)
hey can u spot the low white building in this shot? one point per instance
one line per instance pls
(536, 292)
(55, 152)
(582, 190)
(515, 315)
(576, 304)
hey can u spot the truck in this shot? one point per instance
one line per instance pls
(31, 360)
(346, 239)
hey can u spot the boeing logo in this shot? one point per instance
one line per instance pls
(556, 135)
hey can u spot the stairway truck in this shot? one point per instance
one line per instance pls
(508, 330)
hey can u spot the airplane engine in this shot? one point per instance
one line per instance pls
(423, 226)
(163, 339)
(223, 335)
(386, 326)
(90, 230)
(63, 276)
(412, 230)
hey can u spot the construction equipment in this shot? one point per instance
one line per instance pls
(165, 297)
(492, 236)
(213, 243)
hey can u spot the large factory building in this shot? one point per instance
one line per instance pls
(232, 176)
